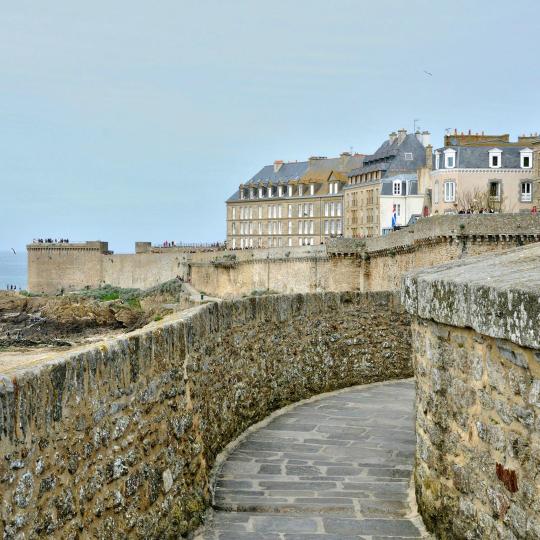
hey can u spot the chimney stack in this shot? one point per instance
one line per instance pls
(401, 134)
(425, 138)
(392, 137)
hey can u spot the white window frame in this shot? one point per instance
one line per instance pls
(396, 187)
(280, 191)
(338, 209)
(498, 183)
(523, 154)
(233, 214)
(300, 190)
(449, 191)
(495, 153)
(449, 154)
(290, 190)
(525, 197)
(312, 189)
(408, 156)
(437, 160)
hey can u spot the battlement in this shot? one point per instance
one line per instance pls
(92, 245)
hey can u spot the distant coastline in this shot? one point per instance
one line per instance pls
(13, 269)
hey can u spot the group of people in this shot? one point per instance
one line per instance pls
(50, 241)
(481, 211)
(11, 287)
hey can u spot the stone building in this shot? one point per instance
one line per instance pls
(290, 204)
(474, 171)
(401, 153)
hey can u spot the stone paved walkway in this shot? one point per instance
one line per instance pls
(335, 468)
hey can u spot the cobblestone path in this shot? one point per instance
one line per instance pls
(334, 468)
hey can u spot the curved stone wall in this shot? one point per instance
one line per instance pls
(476, 353)
(117, 440)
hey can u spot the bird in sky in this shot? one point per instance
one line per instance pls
(428, 73)
(15, 253)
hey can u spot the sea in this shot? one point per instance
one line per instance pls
(13, 269)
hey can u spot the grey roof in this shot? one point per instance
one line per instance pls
(297, 169)
(477, 157)
(390, 157)
(410, 180)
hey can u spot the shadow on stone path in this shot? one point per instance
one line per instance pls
(334, 468)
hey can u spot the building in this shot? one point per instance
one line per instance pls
(399, 193)
(401, 153)
(290, 204)
(478, 171)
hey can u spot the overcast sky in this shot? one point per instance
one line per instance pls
(135, 120)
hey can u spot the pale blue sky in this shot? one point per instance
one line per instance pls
(135, 120)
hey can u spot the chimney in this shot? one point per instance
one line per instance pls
(425, 138)
(429, 156)
(401, 134)
(392, 137)
(277, 165)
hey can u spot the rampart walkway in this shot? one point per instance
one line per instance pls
(333, 468)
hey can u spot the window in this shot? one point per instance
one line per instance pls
(408, 156)
(526, 191)
(436, 192)
(449, 191)
(338, 211)
(332, 227)
(311, 206)
(300, 190)
(437, 160)
(326, 212)
(233, 213)
(526, 158)
(234, 228)
(300, 227)
(260, 212)
(260, 228)
(290, 227)
(279, 211)
(261, 193)
(325, 226)
(289, 190)
(495, 158)
(449, 158)
(495, 190)
(396, 190)
(398, 210)
(269, 191)
(311, 227)
(290, 242)
(312, 189)
(251, 194)
(332, 209)
(280, 191)
(339, 226)
(241, 193)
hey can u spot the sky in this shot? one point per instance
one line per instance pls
(134, 121)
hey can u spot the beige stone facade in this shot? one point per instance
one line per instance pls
(278, 209)
(485, 172)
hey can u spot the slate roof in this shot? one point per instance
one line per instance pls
(477, 157)
(315, 170)
(410, 179)
(390, 157)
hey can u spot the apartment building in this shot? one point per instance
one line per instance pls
(290, 204)
(478, 171)
(401, 153)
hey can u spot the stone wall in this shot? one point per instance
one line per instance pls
(117, 439)
(344, 264)
(476, 353)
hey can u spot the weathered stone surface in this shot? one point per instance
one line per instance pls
(475, 336)
(117, 439)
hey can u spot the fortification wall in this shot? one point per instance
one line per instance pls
(342, 264)
(476, 352)
(117, 439)
(53, 267)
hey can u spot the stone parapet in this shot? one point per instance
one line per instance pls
(118, 439)
(476, 353)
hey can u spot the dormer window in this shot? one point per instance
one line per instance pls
(495, 158)
(526, 158)
(251, 194)
(396, 187)
(312, 189)
(408, 156)
(437, 160)
(449, 158)
(241, 193)
(280, 191)
(300, 190)
(289, 190)
(261, 193)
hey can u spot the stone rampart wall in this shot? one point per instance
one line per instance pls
(377, 263)
(476, 351)
(117, 440)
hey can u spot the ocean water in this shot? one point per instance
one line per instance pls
(13, 269)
